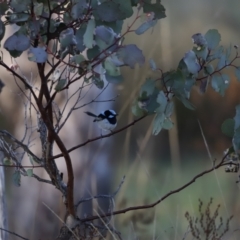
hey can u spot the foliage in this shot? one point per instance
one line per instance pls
(83, 41)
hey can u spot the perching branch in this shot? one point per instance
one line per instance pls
(100, 137)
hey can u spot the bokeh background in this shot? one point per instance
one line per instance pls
(153, 165)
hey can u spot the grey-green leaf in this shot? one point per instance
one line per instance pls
(167, 124)
(30, 172)
(145, 26)
(88, 35)
(37, 54)
(17, 42)
(16, 178)
(220, 83)
(130, 55)
(190, 60)
(227, 127)
(237, 73)
(60, 85)
(237, 118)
(158, 123)
(213, 38)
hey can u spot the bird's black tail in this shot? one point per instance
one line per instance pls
(91, 114)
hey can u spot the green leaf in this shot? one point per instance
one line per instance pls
(237, 73)
(147, 88)
(217, 53)
(199, 40)
(7, 161)
(220, 83)
(111, 11)
(157, 8)
(114, 79)
(208, 69)
(78, 58)
(17, 43)
(98, 82)
(137, 111)
(20, 5)
(213, 38)
(221, 62)
(186, 102)
(37, 54)
(16, 178)
(78, 9)
(130, 55)
(67, 38)
(201, 52)
(228, 51)
(93, 52)
(18, 17)
(30, 172)
(191, 61)
(152, 64)
(167, 124)
(145, 26)
(158, 123)
(227, 127)
(169, 109)
(38, 8)
(79, 37)
(31, 159)
(162, 100)
(88, 35)
(60, 85)
(111, 68)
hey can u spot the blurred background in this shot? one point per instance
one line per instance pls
(153, 165)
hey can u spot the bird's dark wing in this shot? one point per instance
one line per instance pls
(91, 114)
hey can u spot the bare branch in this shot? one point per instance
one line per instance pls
(159, 200)
(100, 137)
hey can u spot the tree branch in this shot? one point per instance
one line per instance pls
(159, 200)
(99, 137)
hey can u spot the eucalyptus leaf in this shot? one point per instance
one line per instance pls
(157, 8)
(237, 118)
(60, 85)
(114, 79)
(88, 35)
(158, 123)
(37, 54)
(152, 64)
(222, 62)
(145, 26)
(220, 83)
(147, 88)
(29, 172)
(167, 124)
(16, 178)
(237, 73)
(136, 110)
(213, 38)
(130, 55)
(227, 127)
(17, 42)
(191, 61)
(162, 100)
